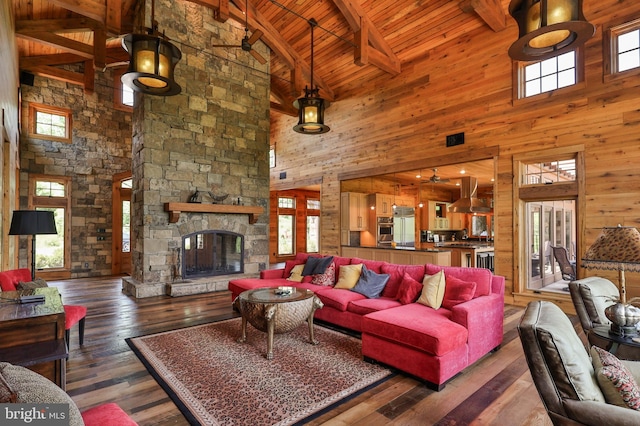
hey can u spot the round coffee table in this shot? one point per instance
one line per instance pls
(273, 310)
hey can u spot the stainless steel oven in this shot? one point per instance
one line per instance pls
(384, 233)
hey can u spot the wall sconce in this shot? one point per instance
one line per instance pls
(548, 28)
(311, 106)
(152, 60)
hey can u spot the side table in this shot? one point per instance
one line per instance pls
(622, 347)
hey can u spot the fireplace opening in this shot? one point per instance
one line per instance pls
(210, 253)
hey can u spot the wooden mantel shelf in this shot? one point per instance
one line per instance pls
(175, 209)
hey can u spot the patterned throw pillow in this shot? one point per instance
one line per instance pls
(328, 278)
(616, 381)
(30, 285)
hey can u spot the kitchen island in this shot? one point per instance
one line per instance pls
(401, 256)
(469, 253)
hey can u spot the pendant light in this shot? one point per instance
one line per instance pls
(311, 106)
(152, 60)
(548, 28)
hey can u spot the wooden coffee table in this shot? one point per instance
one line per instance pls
(275, 313)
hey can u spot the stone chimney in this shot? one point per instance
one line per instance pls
(214, 136)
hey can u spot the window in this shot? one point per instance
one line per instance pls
(550, 74)
(286, 225)
(52, 193)
(51, 123)
(624, 41)
(313, 225)
(272, 156)
(549, 172)
(123, 95)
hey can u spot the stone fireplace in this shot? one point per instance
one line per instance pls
(213, 137)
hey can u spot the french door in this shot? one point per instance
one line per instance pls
(549, 223)
(121, 237)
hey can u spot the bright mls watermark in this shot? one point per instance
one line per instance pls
(34, 414)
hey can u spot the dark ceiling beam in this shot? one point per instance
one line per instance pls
(285, 102)
(379, 52)
(58, 74)
(113, 18)
(490, 11)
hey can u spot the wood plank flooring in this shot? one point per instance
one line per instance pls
(497, 390)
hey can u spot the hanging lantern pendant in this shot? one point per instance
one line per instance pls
(311, 106)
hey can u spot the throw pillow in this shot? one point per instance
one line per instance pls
(370, 284)
(616, 381)
(432, 290)
(457, 291)
(296, 273)
(349, 276)
(289, 265)
(316, 265)
(328, 278)
(30, 285)
(409, 290)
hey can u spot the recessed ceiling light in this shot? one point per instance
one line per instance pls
(463, 171)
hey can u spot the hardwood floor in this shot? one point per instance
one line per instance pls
(497, 390)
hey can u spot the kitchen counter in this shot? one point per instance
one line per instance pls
(464, 244)
(401, 255)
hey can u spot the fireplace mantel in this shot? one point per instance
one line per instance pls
(175, 209)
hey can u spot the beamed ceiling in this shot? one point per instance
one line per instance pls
(369, 41)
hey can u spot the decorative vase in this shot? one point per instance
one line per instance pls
(623, 318)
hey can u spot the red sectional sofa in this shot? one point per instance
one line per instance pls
(431, 344)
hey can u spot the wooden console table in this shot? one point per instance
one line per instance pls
(175, 209)
(32, 334)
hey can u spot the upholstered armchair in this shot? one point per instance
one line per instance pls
(563, 373)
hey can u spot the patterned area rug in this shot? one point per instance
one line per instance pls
(215, 380)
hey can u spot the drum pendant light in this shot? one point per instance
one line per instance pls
(152, 60)
(311, 106)
(548, 28)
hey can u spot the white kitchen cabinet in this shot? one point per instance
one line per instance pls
(354, 211)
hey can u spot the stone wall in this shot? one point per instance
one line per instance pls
(100, 148)
(214, 136)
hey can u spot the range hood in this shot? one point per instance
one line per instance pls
(469, 201)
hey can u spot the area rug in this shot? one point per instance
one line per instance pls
(215, 380)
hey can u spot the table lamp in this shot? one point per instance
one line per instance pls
(618, 249)
(32, 222)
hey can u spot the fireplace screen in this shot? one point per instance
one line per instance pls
(210, 253)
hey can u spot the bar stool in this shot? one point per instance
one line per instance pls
(482, 260)
(491, 259)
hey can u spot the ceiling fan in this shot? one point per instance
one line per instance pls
(247, 42)
(437, 179)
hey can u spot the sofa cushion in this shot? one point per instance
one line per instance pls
(366, 306)
(349, 276)
(372, 265)
(295, 274)
(396, 274)
(409, 290)
(338, 298)
(481, 276)
(370, 284)
(616, 381)
(316, 265)
(432, 290)
(457, 291)
(327, 278)
(417, 326)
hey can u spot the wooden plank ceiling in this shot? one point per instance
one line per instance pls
(356, 41)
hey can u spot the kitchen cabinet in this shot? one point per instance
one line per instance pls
(383, 204)
(354, 211)
(456, 221)
(404, 201)
(437, 216)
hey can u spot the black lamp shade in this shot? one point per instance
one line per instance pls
(548, 28)
(152, 61)
(32, 222)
